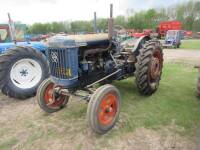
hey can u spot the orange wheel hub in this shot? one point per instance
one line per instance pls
(108, 109)
(49, 98)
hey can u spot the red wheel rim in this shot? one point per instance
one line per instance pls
(49, 99)
(156, 65)
(108, 109)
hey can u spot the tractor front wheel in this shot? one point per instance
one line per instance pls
(103, 109)
(48, 100)
(149, 67)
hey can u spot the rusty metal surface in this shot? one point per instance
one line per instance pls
(110, 23)
(70, 41)
(89, 37)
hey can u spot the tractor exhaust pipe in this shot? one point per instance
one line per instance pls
(11, 28)
(111, 24)
(95, 22)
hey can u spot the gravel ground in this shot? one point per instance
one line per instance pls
(191, 57)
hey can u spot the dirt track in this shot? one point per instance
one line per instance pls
(191, 57)
(25, 126)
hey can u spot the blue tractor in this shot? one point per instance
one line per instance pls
(173, 39)
(23, 65)
(78, 62)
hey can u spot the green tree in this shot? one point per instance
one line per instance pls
(102, 24)
(188, 13)
(81, 26)
(120, 20)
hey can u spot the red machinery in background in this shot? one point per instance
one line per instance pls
(146, 32)
(168, 25)
(188, 34)
(161, 30)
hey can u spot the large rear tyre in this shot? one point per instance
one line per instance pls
(22, 69)
(103, 109)
(149, 67)
(198, 83)
(47, 101)
(198, 88)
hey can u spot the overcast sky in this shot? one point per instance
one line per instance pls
(30, 11)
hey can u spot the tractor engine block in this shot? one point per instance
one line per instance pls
(75, 62)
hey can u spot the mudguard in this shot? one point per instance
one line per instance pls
(139, 42)
(36, 45)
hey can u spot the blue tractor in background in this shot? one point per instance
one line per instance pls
(23, 65)
(173, 39)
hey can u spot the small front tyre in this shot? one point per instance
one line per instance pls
(103, 109)
(47, 101)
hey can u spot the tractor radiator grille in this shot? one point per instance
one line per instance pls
(63, 62)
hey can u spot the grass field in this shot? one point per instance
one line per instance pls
(175, 102)
(190, 44)
(174, 106)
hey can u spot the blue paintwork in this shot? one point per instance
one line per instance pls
(173, 38)
(170, 41)
(63, 58)
(36, 45)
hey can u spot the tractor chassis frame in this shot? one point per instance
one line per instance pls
(88, 89)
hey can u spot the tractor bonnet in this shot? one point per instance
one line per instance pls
(79, 40)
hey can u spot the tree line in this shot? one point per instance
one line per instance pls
(188, 13)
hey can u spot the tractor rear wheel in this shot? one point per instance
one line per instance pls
(149, 67)
(198, 88)
(103, 109)
(47, 101)
(22, 69)
(198, 82)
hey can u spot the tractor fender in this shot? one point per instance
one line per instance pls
(138, 44)
(39, 46)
